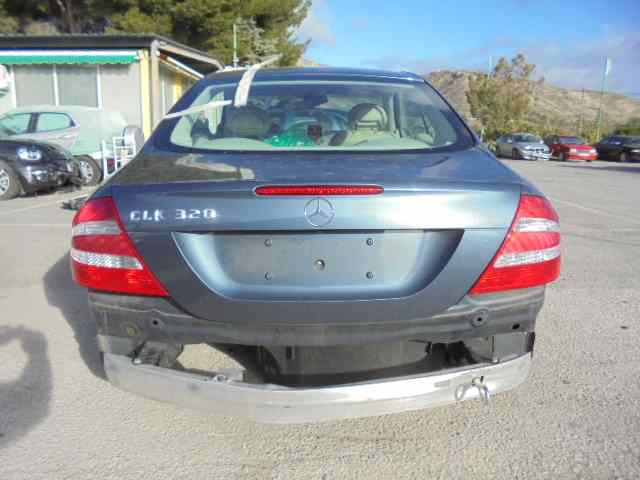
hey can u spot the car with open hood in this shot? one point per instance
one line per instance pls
(77, 129)
(341, 235)
(27, 167)
(522, 146)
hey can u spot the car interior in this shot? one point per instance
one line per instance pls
(304, 119)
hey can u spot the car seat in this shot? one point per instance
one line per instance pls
(247, 122)
(365, 121)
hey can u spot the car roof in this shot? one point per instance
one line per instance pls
(53, 108)
(310, 73)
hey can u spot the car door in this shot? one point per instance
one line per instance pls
(502, 144)
(616, 146)
(603, 148)
(56, 127)
(553, 143)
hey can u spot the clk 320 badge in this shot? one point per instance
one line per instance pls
(183, 214)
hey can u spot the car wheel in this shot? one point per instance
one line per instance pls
(90, 171)
(623, 157)
(9, 184)
(515, 154)
(563, 157)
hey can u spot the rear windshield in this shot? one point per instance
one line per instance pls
(319, 115)
(572, 140)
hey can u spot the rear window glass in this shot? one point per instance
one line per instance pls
(48, 122)
(14, 124)
(319, 115)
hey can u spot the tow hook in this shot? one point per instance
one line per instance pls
(478, 383)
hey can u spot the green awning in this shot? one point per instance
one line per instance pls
(94, 57)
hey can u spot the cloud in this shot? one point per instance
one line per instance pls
(581, 64)
(317, 26)
(577, 64)
(476, 58)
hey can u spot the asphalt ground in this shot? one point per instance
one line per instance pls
(577, 416)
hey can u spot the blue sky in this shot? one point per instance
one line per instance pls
(568, 41)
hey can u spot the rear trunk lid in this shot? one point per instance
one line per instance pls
(224, 252)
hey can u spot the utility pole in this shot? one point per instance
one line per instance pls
(607, 69)
(581, 113)
(235, 46)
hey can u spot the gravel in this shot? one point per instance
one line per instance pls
(578, 415)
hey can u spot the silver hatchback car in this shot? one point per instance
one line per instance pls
(522, 146)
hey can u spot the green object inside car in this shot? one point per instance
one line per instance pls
(295, 136)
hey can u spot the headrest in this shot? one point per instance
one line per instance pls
(247, 122)
(368, 116)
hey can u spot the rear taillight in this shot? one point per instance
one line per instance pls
(103, 257)
(530, 255)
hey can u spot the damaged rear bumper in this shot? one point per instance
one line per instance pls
(140, 319)
(268, 403)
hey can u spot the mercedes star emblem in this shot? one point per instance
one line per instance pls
(318, 212)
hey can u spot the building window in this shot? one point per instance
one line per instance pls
(56, 85)
(77, 85)
(34, 85)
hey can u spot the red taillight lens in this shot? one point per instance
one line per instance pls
(103, 257)
(530, 255)
(322, 190)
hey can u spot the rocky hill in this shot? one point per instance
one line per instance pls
(564, 105)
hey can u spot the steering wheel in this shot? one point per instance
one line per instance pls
(315, 116)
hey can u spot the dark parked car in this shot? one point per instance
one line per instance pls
(619, 148)
(341, 234)
(28, 166)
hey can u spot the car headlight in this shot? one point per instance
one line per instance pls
(635, 150)
(573, 150)
(30, 154)
(527, 147)
(593, 150)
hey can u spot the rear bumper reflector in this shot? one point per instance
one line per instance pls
(270, 403)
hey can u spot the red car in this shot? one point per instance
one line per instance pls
(570, 148)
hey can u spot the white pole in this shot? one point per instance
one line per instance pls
(235, 46)
(98, 86)
(56, 94)
(14, 95)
